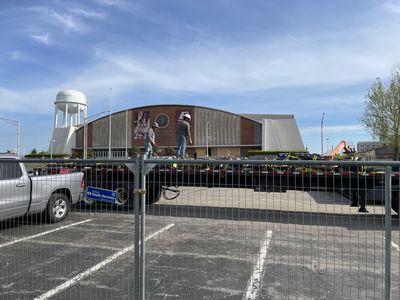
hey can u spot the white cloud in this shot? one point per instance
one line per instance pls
(66, 21)
(336, 102)
(86, 13)
(16, 55)
(27, 101)
(118, 3)
(338, 58)
(257, 66)
(344, 130)
(392, 6)
(69, 22)
(333, 59)
(41, 38)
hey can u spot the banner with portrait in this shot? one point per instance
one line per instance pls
(141, 124)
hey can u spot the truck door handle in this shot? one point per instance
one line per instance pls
(21, 184)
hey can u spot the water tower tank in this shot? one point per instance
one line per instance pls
(72, 104)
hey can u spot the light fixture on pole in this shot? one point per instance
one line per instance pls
(18, 125)
(86, 120)
(322, 133)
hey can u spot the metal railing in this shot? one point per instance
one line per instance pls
(200, 229)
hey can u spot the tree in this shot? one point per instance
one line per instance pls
(382, 110)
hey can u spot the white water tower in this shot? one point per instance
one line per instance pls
(70, 113)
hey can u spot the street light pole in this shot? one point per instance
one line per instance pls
(322, 133)
(126, 134)
(207, 124)
(18, 137)
(86, 120)
(84, 139)
(18, 125)
(109, 132)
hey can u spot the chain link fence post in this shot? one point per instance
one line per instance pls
(137, 228)
(388, 232)
(142, 227)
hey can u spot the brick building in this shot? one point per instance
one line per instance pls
(229, 134)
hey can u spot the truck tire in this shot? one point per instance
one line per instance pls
(125, 196)
(153, 194)
(57, 208)
(88, 201)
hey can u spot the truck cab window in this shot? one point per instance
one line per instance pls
(10, 170)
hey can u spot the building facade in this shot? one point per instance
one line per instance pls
(366, 146)
(214, 132)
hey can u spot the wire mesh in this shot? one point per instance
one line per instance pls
(229, 229)
(57, 242)
(268, 230)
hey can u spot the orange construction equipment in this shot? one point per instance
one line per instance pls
(342, 146)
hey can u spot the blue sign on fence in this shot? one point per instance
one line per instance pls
(103, 195)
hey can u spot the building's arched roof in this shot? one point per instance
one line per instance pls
(184, 105)
(228, 129)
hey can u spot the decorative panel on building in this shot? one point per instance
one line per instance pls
(223, 128)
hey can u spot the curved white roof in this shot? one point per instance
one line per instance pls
(71, 96)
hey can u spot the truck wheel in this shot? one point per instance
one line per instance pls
(153, 194)
(88, 201)
(395, 202)
(57, 208)
(122, 195)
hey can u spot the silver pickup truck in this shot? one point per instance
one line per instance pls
(25, 194)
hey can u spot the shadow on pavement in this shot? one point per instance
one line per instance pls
(354, 222)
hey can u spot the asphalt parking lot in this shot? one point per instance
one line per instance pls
(205, 244)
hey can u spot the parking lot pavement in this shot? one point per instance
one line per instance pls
(199, 252)
(291, 201)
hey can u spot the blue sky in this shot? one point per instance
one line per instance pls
(275, 57)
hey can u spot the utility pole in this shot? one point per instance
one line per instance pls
(85, 133)
(126, 133)
(322, 133)
(18, 125)
(207, 124)
(109, 132)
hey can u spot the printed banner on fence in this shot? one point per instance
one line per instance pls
(102, 195)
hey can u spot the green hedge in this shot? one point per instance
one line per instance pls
(263, 152)
(46, 155)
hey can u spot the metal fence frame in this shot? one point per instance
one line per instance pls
(141, 167)
(148, 164)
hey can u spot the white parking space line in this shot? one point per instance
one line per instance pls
(253, 285)
(95, 268)
(395, 246)
(65, 244)
(43, 233)
(197, 255)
